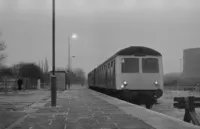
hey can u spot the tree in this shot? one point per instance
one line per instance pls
(46, 71)
(6, 73)
(2, 48)
(30, 70)
(42, 63)
(79, 75)
(46, 66)
(15, 69)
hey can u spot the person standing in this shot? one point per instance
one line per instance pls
(20, 83)
(68, 82)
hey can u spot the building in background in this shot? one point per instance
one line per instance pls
(61, 79)
(191, 65)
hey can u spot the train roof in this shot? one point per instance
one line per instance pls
(138, 51)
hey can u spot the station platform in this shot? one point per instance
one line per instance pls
(82, 108)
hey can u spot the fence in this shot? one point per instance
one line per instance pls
(183, 88)
(12, 85)
(9, 85)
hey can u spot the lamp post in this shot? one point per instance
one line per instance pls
(71, 61)
(53, 77)
(179, 80)
(73, 36)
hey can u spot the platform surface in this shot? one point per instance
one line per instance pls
(79, 108)
(155, 119)
(82, 108)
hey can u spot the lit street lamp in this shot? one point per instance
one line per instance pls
(73, 36)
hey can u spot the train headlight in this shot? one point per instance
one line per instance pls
(156, 83)
(125, 83)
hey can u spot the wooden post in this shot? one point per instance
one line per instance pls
(189, 104)
(26, 83)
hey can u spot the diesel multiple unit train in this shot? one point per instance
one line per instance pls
(134, 73)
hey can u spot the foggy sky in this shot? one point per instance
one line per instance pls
(103, 27)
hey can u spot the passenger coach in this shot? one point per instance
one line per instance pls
(134, 73)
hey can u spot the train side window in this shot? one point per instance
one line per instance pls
(114, 67)
(150, 65)
(130, 65)
(112, 64)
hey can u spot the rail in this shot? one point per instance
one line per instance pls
(189, 104)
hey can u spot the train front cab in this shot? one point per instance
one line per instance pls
(144, 81)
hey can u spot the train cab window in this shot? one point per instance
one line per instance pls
(130, 65)
(150, 65)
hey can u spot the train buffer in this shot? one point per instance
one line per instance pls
(189, 104)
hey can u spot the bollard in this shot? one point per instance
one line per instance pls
(53, 91)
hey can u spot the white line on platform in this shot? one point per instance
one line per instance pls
(53, 115)
(116, 125)
(50, 121)
(65, 113)
(65, 126)
(108, 117)
(103, 112)
(97, 122)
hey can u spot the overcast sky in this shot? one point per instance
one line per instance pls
(103, 27)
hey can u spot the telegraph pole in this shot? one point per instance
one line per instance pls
(53, 77)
